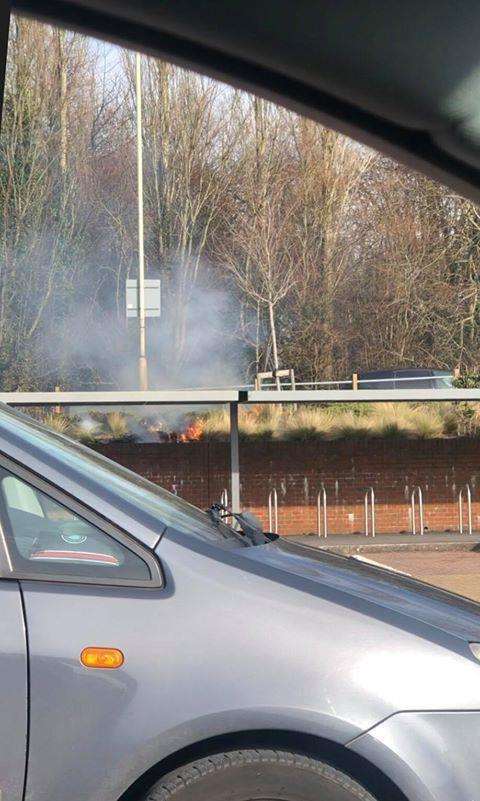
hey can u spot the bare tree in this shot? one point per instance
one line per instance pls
(257, 235)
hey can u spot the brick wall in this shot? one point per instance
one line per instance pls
(198, 471)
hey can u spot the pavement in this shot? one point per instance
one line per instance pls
(449, 561)
(357, 543)
(458, 572)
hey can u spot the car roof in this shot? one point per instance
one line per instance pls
(403, 77)
(403, 371)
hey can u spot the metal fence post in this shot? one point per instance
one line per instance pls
(469, 509)
(370, 496)
(417, 491)
(234, 458)
(224, 498)
(322, 513)
(273, 511)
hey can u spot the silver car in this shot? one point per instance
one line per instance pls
(148, 650)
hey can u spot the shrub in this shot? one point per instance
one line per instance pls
(467, 381)
(60, 423)
(306, 423)
(391, 420)
(348, 425)
(106, 427)
(216, 424)
(267, 421)
(117, 425)
(426, 423)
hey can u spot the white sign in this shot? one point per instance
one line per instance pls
(152, 297)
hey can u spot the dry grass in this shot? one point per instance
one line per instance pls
(272, 421)
(262, 421)
(426, 423)
(461, 419)
(96, 427)
(401, 420)
(306, 423)
(117, 425)
(255, 422)
(105, 427)
(348, 421)
(216, 424)
(58, 422)
(347, 424)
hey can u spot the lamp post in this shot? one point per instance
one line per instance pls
(142, 355)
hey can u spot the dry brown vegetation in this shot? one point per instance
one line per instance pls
(340, 422)
(265, 421)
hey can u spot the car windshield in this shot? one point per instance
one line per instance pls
(139, 495)
(442, 379)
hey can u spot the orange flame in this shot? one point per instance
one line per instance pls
(193, 432)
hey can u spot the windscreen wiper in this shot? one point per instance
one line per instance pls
(219, 515)
(250, 526)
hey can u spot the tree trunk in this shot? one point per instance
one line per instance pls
(273, 334)
(62, 68)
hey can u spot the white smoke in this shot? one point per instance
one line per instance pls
(95, 348)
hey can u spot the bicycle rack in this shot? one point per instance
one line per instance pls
(370, 501)
(224, 498)
(273, 511)
(469, 508)
(322, 513)
(417, 491)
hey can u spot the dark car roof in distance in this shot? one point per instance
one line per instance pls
(405, 378)
(403, 371)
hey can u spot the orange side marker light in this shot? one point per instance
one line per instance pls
(109, 658)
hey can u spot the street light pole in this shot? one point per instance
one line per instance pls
(142, 357)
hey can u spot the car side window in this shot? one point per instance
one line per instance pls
(19, 495)
(45, 537)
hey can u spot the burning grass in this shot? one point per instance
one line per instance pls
(269, 421)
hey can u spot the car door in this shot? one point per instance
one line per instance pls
(13, 691)
(83, 583)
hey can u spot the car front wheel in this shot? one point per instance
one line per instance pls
(257, 775)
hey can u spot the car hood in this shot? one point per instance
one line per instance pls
(378, 586)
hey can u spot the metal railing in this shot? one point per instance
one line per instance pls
(322, 513)
(273, 511)
(354, 380)
(369, 501)
(468, 493)
(417, 493)
(224, 498)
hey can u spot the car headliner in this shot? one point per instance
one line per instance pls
(400, 75)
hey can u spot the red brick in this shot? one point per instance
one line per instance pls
(200, 470)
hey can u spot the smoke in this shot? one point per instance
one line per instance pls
(200, 346)
(190, 346)
(194, 344)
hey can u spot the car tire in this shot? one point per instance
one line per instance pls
(257, 774)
